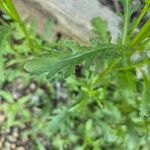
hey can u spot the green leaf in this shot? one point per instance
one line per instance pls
(48, 29)
(61, 61)
(145, 104)
(135, 8)
(140, 17)
(58, 119)
(141, 35)
(5, 33)
(2, 78)
(100, 27)
(10, 9)
(126, 4)
(7, 96)
(132, 138)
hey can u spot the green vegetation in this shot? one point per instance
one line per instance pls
(86, 97)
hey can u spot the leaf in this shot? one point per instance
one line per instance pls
(5, 33)
(10, 9)
(7, 96)
(62, 61)
(58, 119)
(140, 17)
(145, 104)
(141, 35)
(2, 78)
(135, 8)
(48, 28)
(68, 71)
(126, 6)
(107, 132)
(132, 138)
(100, 27)
(24, 100)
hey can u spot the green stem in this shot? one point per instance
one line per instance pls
(146, 62)
(10, 9)
(138, 20)
(26, 33)
(126, 22)
(141, 35)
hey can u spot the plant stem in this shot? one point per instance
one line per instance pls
(141, 35)
(10, 9)
(146, 62)
(138, 20)
(126, 22)
(26, 33)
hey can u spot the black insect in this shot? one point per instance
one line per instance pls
(78, 70)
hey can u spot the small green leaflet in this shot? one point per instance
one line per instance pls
(132, 137)
(5, 33)
(2, 78)
(67, 61)
(8, 7)
(101, 28)
(145, 104)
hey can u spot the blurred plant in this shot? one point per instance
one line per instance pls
(108, 107)
(9, 8)
(12, 109)
(75, 53)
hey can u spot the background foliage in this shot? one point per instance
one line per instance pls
(97, 96)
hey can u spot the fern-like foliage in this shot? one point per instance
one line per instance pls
(74, 54)
(67, 60)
